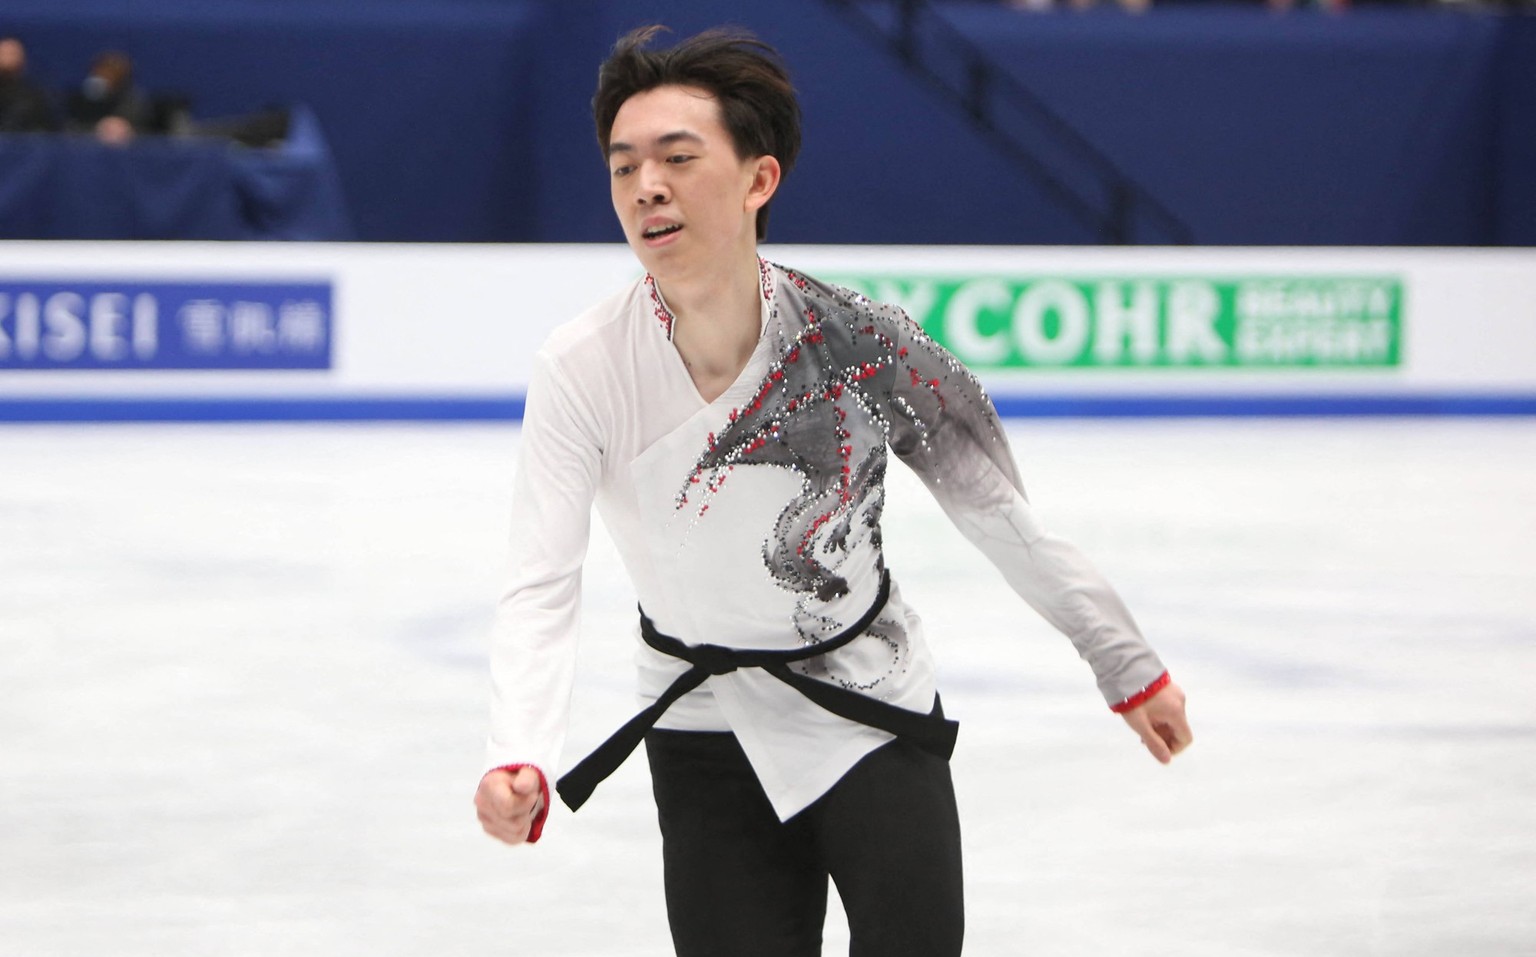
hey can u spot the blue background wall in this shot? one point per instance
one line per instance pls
(467, 120)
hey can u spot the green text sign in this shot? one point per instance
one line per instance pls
(1175, 323)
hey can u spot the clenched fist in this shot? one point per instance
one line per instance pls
(509, 802)
(1161, 723)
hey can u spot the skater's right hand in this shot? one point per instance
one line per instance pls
(511, 804)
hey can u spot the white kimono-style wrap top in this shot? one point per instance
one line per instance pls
(753, 521)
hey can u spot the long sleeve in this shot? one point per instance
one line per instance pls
(533, 642)
(944, 428)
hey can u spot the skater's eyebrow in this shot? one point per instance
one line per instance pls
(666, 139)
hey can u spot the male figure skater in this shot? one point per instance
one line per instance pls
(732, 420)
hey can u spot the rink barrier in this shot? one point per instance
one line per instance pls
(189, 332)
(510, 408)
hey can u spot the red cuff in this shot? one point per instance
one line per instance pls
(1140, 698)
(536, 829)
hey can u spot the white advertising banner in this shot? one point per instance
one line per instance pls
(200, 330)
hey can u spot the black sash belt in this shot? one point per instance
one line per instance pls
(929, 731)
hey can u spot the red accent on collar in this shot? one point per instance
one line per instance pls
(668, 320)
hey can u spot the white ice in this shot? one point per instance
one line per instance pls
(242, 698)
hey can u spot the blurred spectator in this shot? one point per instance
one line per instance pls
(109, 104)
(1132, 6)
(24, 106)
(265, 128)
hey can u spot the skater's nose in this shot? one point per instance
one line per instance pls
(653, 187)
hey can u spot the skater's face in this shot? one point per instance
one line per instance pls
(682, 194)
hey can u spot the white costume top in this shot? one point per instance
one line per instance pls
(754, 522)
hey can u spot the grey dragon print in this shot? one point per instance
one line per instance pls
(852, 376)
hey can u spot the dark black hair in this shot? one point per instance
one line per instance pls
(745, 75)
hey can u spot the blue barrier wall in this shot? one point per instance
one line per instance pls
(1516, 141)
(427, 106)
(466, 120)
(1374, 128)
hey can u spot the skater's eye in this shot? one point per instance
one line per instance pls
(621, 171)
(679, 158)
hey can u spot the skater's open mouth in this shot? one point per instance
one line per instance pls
(655, 232)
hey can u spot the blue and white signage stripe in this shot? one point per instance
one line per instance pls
(100, 326)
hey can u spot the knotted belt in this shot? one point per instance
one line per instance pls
(931, 731)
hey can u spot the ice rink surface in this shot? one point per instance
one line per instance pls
(243, 695)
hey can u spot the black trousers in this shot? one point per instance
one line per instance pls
(740, 883)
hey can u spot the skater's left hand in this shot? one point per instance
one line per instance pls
(1161, 723)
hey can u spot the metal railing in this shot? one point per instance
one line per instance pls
(1071, 170)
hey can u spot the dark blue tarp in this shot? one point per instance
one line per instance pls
(467, 120)
(71, 187)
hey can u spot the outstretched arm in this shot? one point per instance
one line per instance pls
(533, 640)
(945, 428)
